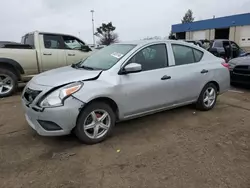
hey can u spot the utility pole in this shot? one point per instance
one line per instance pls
(93, 26)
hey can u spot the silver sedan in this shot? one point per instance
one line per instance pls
(120, 82)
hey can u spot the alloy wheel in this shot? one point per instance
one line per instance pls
(209, 97)
(97, 124)
(6, 84)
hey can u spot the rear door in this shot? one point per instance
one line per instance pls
(52, 52)
(73, 50)
(189, 73)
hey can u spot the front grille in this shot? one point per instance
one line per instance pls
(30, 95)
(242, 69)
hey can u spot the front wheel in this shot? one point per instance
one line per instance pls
(95, 123)
(207, 98)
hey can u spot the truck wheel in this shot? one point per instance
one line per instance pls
(8, 83)
(95, 123)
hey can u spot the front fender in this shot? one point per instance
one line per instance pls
(96, 89)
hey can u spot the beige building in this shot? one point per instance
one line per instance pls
(235, 28)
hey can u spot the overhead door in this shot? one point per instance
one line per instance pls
(199, 35)
(244, 36)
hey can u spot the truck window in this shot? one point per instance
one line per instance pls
(28, 39)
(53, 41)
(72, 43)
(218, 44)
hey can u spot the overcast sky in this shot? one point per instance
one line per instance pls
(134, 19)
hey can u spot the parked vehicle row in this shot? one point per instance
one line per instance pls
(221, 48)
(120, 82)
(226, 49)
(38, 52)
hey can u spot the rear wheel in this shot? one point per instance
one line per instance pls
(8, 83)
(95, 123)
(207, 98)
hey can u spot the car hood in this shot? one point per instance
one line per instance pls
(64, 75)
(240, 61)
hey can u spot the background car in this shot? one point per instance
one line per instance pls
(120, 82)
(38, 52)
(226, 49)
(240, 70)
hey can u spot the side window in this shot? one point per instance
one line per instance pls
(151, 57)
(72, 43)
(235, 46)
(197, 55)
(53, 41)
(183, 54)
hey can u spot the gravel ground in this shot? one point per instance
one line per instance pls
(176, 148)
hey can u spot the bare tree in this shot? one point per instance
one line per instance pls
(188, 17)
(106, 34)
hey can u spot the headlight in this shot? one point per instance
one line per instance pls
(231, 65)
(57, 97)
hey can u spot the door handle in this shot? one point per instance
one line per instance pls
(71, 54)
(47, 53)
(204, 71)
(166, 77)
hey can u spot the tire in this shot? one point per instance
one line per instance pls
(12, 82)
(201, 104)
(84, 135)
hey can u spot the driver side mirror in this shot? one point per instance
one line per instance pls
(86, 48)
(131, 68)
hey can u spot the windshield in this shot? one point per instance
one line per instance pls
(107, 57)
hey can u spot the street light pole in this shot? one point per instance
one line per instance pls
(93, 26)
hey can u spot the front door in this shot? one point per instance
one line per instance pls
(151, 88)
(52, 52)
(235, 49)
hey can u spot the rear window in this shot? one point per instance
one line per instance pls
(28, 39)
(218, 44)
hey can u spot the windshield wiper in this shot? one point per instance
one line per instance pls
(86, 67)
(74, 65)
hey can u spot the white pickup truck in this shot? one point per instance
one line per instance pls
(38, 52)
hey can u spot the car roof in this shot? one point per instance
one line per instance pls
(50, 33)
(145, 42)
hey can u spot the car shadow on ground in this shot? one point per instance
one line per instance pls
(241, 87)
(149, 121)
(121, 129)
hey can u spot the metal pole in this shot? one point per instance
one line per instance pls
(93, 26)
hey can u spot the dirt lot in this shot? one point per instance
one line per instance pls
(177, 148)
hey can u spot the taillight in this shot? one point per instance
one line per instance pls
(225, 65)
